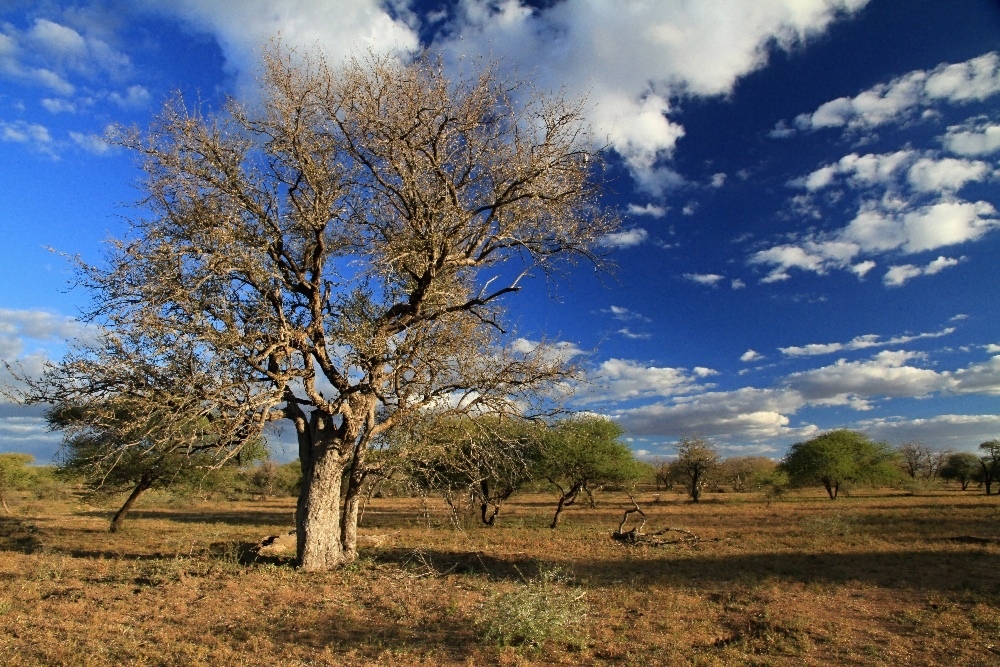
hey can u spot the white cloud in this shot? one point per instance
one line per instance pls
(718, 180)
(19, 326)
(751, 355)
(618, 380)
(754, 414)
(900, 274)
(651, 210)
(955, 432)
(743, 414)
(973, 80)
(135, 97)
(92, 143)
(633, 335)
(861, 343)
(58, 105)
(629, 59)
(625, 239)
(945, 175)
(710, 279)
(889, 224)
(624, 314)
(737, 284)
(978, 138)
(33, 135)
(339, 29)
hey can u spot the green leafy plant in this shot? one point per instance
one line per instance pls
(548, 608)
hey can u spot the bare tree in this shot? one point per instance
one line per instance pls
(343, 248)
(696, 460)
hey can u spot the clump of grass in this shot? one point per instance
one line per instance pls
(548, 608)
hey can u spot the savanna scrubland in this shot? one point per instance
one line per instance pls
(878, 577)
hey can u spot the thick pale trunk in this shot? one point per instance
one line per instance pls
(317, 517)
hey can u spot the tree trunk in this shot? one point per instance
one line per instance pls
(832, 488)
(317, 516)
(144, 483)
(564, 500)
(3, 501)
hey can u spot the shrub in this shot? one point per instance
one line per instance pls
(546, 609)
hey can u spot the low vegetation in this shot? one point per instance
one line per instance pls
(880, 577)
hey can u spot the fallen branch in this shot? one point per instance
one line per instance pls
(636, 536)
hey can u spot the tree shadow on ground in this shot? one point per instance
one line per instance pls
(19, 535)
(969, 568)
(234, 518)
(437, 562)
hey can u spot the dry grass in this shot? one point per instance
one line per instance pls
(869, 580)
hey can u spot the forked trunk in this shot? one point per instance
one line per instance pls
(565, 499)
(140, 488)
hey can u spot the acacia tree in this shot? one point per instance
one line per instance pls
(343, 247)
(696, 460)
(14, 474)
(961, 466)
(837, 457)
(989, 462)
(486, 457)
(582, 453)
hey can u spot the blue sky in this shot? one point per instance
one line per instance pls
(809, 191)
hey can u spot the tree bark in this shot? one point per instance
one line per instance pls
(144, 483)
(564, 500)
(317, 516)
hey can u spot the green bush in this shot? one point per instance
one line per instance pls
(546, 609)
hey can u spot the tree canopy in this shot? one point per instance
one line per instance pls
(338, 256)
(581, 453)
(837, 457)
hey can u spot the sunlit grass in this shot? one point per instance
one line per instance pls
(875, 578)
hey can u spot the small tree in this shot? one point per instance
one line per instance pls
(582, 453)
(989, 462)
(696, 461)
(664, 475)
(838, 457)
(488, 457)
(964, 467)
(117, 448)
(747, 473)
(14, 475)
(916, 460)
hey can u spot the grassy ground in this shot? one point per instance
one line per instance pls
(877, 579)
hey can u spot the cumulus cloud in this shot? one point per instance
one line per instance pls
(973, 80)
(49, 53)
(751, 355)
(625, 239)
(617, 380)
(745, 414)
(652, 210)
(710, 279)
(631, 59)
(903, 273)
(339, 29)
(860, 343)
(19, 326)
(980, 137)
(92, 143)
(33, 135)
(951, 431)
(677, 404)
